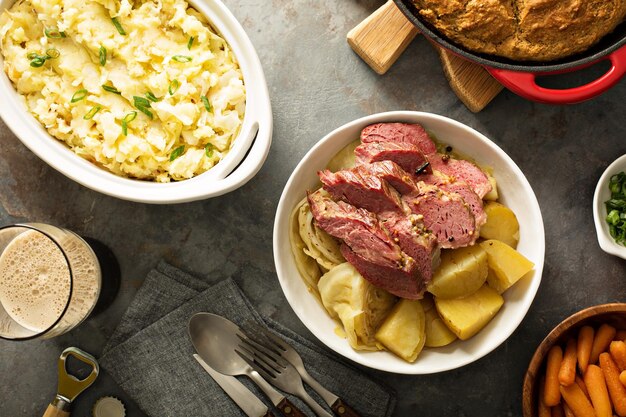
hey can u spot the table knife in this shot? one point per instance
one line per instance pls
(246, 400)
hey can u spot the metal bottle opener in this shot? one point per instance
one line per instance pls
(69, 386)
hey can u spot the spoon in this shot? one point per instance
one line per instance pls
(215, 339)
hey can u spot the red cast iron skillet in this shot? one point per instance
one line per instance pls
(520, 76)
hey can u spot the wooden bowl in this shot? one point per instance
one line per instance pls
(613, 314)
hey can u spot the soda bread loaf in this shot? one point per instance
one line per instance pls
(524, 30)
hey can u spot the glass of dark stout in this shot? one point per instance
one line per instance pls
(51, 279)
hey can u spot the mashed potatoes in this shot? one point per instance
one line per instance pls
(145, 88)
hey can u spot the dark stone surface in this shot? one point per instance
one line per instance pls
(317, 84)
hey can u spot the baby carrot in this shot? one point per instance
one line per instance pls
(594, 380)
(620, 335)
(567, 411)
(601, 342)
(576, 401)
(582, 386)
(622, 378)
(551, 394)
(567, 371)
(543, 409)
(617, 391)
(618, 353)
(583, 348)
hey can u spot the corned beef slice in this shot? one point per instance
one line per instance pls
(358, 228)
(405, 154)
(361, 189)
(409, 232)
(464, 190)
(399, 132)
(462, 170)
(398, 281)
(389, 171)
(445, 214)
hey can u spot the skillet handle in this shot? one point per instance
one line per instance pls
(524, 85)
(382, 37)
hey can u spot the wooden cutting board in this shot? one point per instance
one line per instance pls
(381, 38)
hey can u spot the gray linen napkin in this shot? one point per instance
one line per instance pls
(150, 354)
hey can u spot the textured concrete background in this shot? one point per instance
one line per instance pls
(317, 83)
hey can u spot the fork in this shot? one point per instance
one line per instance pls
(283, 350)
(277, 371)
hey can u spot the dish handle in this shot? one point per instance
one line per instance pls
(524, 83)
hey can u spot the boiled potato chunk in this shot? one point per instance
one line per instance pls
(493, 194)
(437, 333)
(501, 224)
(462, 272)
(506, 265)
(404, 332)
(466, 316)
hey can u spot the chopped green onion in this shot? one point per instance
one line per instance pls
(190, 43)
(177, 152)
(103, 55)
(92, 112)
(616, 208)
(54, 33)
(79, 95)
(181, 58)
(142, 105)
(208, 150)
(118, 26)
(173, 87)
(111, 89)
(152, 97)
(52, 53)
(126, 120)
(37, 62)
(206, 103)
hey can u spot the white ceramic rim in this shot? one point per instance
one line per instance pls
(602, 194)
(518, 298)
(253, 141)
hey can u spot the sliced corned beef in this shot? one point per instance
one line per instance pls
(403, 282)
(358, 228)
(399, 132)
(462, 170)
(362, 189)
(405, 154)
(464, 190)
(389, 171)
(445, 214)
(414, 240)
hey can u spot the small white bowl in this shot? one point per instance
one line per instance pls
(515, 192)
(602, 194)
(244, 160)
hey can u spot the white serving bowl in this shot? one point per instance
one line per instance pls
(514, 191)
(243, 161)
(602, 194)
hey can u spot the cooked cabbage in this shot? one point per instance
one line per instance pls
(169, 57)
(308, 268)
(357, 304)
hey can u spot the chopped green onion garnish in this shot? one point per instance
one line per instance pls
(152, 97)
(206, 103)
(208, 150)
(126, 120)
(92, 112)
(52, 53)
(79, 95)
(142, 105)
(103, 56)
(111, 89)
(173, 87)
(181, 58)
(37, 62)
(190, 43)
(53, 33)
(616, 208)
(118, 26)
(177, 152)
